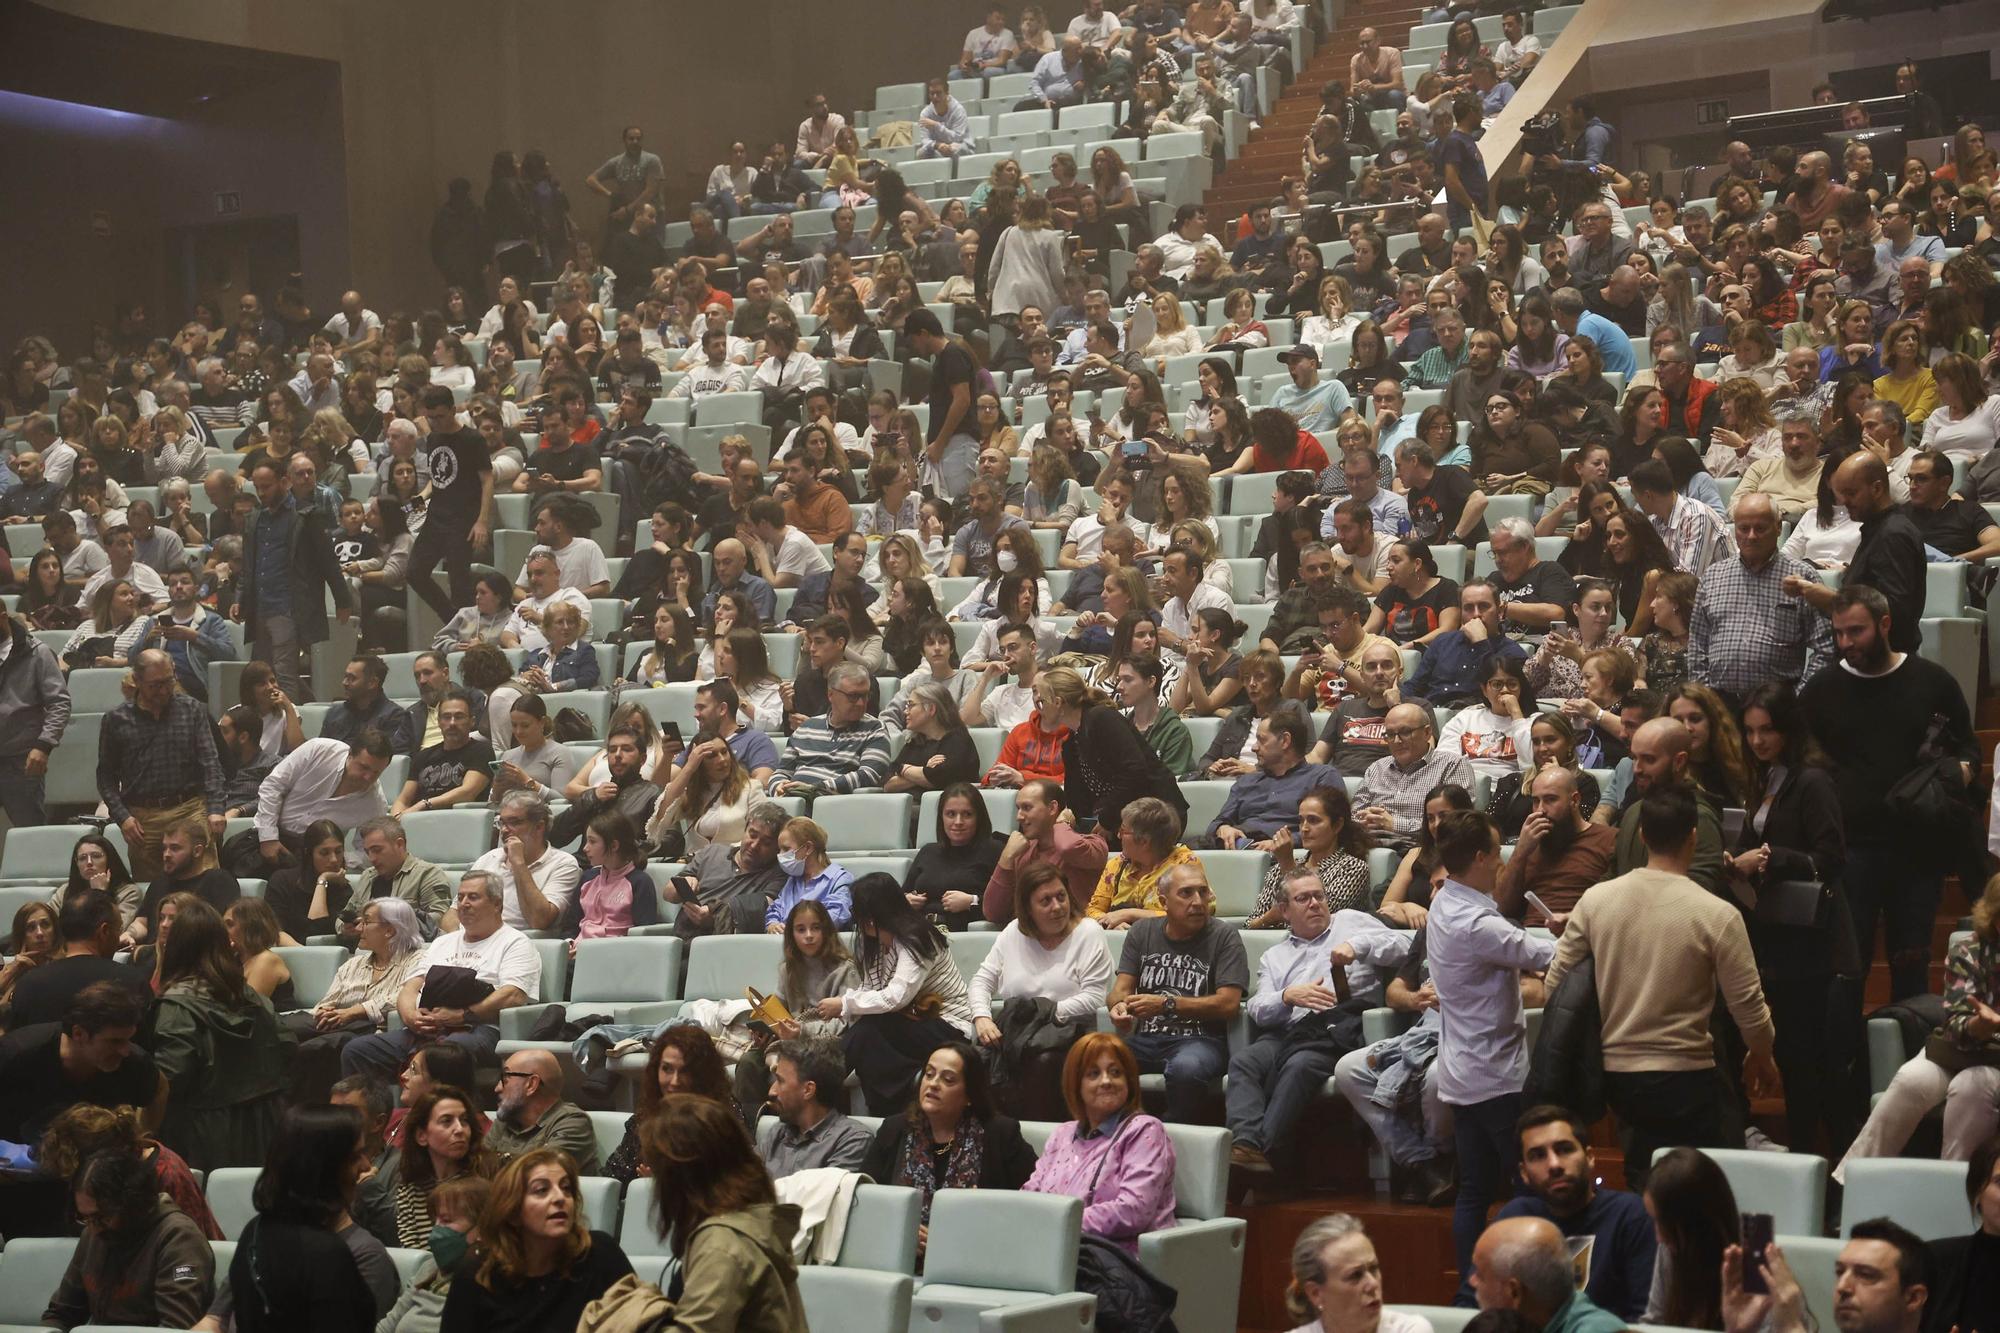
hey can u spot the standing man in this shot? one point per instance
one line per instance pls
(287, 558)
(34, 713)
(629, 179)
(1748, 626)
(1872, 714)
(1890, 558)
(1181, 981)
(1561, 1174)
(156, 763)
(459, 512)
(1477, 957)
(1664, 945)
(322, 779)
(951, 454)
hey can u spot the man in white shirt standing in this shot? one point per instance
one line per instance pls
(322, 779)
(538, 881)
(1183, 569)
(501, 958)
(1476, 959)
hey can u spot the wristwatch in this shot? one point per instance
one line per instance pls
(1171, 1006)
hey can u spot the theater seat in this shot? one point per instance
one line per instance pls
(867, 1302)
(599, 1197)
(995, 1248)
(864, 822)
(1235, 878)
(1204, 1238)
(1811, 1259)
(456, 837)
(609, 1127)
(228, 1193)
(882, 1229)
(1443, 1318)
(1789, 1186)
(1927, 1197)
(41, 854)
(30, 1268)
(1052, 1314)
(635, 1232)
(312, 969)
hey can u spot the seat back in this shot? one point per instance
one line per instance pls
(1811, 1259)
(450, 837)
(998, 1239)
(867, 822)
(1442, 1318)
(312, 968)
(720, 966)
(999, 808)
(1201, 1170)
(969, 949)
(1235, 878)
(882, 1229)
(867, 1302)
(1927, 1197)
(609, 1126)
(30, 1268)
(635, 1227)
(1789, 1186)
(555, 970)
(599, 1197)
(228, 1193)
(42, 853)
(634, 969)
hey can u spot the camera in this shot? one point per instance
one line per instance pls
(1542, 135)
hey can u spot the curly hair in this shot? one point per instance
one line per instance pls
(700, 1061)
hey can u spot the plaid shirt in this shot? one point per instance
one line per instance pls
(154, 762)
(1401, 791)
(1693, 535)
(1747, 630)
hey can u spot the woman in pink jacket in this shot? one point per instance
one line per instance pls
(1112, 1155)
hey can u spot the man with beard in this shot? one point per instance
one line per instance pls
(432, 672)
(193, 636)
(455, 771)
(1661, 758)
(726, 889)
(532, 1113)
(1559, 853)
(1871, 714)
(627, 792)
(1561, 1176)
(187, 865)
(363, 705)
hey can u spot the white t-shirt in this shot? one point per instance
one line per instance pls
(504, 958)
(1098, 32)
(1007, 706)
(555, 873)
(799, 555)
(343, 329)
(843, 435)
(735, 349)
(1176, 615)
(1492, 743)
(145, 581)
(1088, 534)
(85, 560)
(987, 46)
(1508, 54)
(1969, 436)
(578, 565)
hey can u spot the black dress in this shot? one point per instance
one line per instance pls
(539, 1304)
(940, 868)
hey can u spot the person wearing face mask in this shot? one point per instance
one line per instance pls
(457, 1204)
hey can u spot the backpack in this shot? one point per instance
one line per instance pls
(666, 472)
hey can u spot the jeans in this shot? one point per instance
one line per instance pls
(723, 205)
(1355, 1079)
(1190, 1064)
(1971, 1100)
(22, 798)
(1386, 99)
(1902, 885)
(1667, 1108)
(277, 642)
(451, 545)
(592, 1049)
(1488, 1152)
(382, 1055)
(1266, 1097)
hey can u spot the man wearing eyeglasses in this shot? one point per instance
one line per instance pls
(1390, 800)
(1391, 426)
(842, 751)
(532, 1113)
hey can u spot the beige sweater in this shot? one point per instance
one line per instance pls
(1663, 944)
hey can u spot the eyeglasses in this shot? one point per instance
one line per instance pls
(1401, 733)
(852, 696)
(506, 1074)
(1491, 408)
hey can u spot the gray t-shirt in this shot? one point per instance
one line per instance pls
(1189, 968)
(738, 896)
(627, 176)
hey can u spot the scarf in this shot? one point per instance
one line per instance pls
(963, 1159)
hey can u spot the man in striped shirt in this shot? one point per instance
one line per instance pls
(843, 750)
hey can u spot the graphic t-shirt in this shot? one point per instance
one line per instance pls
(437, 770)
(456, 459)
(1188, 968)
(1406, 619)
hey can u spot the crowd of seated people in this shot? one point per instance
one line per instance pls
(1613, 663)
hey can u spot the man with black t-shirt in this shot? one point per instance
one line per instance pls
(89, 929)
(187, 865)
(1446, 505)
(1947, 522)
(560, 463)
(459, 505)
(725, 513)
(1356, 734)
(952, 452)
(1533, 593)
(46, 1068)
(454, 771)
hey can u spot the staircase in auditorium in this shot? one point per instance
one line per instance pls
(1273, 150)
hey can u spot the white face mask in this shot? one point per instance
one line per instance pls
(791, 863)
(1006, 560)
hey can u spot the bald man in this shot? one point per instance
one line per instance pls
(1522, 1263)
(732, 574)
(1890, 558)
(534, 1115)
(1559, 853)
(1661, 758)
(1817, 195)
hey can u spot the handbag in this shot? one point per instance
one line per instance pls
(1793, 902)
(1953, 1058)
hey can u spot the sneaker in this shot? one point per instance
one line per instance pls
(1756, 1140)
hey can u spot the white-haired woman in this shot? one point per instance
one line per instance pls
(361, 995)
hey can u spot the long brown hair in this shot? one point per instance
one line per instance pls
(416, 1158)
(702, 1147)
(698, 1056)
(505, 1257)
(198, 952)
(696, 796)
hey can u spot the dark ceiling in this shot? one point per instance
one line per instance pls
(44, 53)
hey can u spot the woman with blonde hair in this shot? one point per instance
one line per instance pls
(1050, 499)
(1747, 431)
(1336, 1282)
(901, 557)
(541, 1263)
(1172, 335)
(173, 449)
(1675, 302)
(1334, 323)
(1027, 263)
(334, 441)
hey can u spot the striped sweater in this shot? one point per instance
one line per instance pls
(835, 759)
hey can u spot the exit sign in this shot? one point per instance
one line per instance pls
(228, 203)
(1714, 112)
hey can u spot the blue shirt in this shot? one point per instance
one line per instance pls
(1316, 409)
(1260, 804)
(1477, 957)
(1446, 671)
(1293, 961)
(830, 887)
(1621, 1259)
(756, 589)
(1927, 248)
(1055, 81)
(272, 553)
(1613, 344)
(752, 747)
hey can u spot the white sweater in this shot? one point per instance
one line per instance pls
(1076, 974)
